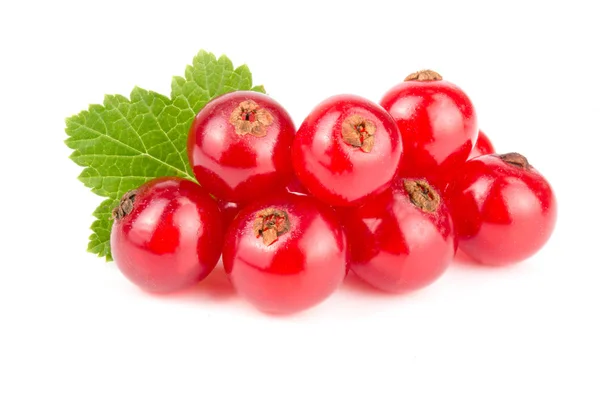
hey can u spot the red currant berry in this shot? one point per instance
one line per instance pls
(437, 122)
(348, 148)
(285, 255)
(504, 210)
(167, 235)
(482, 147)
(228, 211)
(401, 240)
(239, 146)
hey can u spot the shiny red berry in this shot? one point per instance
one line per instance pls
(167, 235)
(482, 147)
(286, 254)
(503, 209)
(228, 212)
(239, 146)
(437, 122)
(401, 240)
(347, 149)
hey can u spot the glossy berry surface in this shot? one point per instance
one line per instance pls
(228, 212)
(401, 240)
(503, 209)
(167, 235)
(239, 146)
(482, 147)
(285, 255)
(348, 148)
(437, 122)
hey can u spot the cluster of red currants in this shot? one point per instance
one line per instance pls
(387, 191)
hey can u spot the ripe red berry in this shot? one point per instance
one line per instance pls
(504, 210)
(482, 147)
(285, 255)
(437, 122)
(401, 240)
(228, 212)
(167, 235)
(348, 148)
(239, 146)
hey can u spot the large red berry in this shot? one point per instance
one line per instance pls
(482, 147)
(503, 209)
(167, 235)
(286, 254)
(239, 146)
(437, 122)
(402, 239)
(347, 149)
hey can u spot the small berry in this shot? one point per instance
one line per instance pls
(286, 254)
(401, 240)
(228, 212)
(437, 122)
(482, 147)
(239, 146)
(347, 149)
(503, 209)
(167, 235)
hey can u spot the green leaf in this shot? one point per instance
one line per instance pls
(126, 142)
(99, 244)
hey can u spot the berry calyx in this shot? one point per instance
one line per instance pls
(125, 206)
(271, 223)
(516, 160)
(250, 118)
(422, 195)
(424, 75)
(358, 131)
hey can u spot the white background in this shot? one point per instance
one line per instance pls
(73, 328)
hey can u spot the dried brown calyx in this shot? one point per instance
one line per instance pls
(250, 118)
(125, 205)
(270, 224)
(358, 131)
(422, 194)
(516, 160)
(424, 75)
